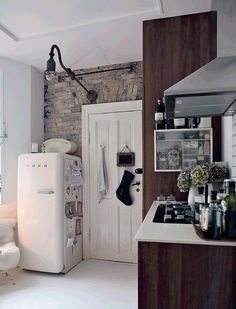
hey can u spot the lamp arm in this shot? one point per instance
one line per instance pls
(79, 82)
(67, 70)
(52, 54)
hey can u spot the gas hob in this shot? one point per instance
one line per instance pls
(173, 212)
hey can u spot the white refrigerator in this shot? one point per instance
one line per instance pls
(49, 211)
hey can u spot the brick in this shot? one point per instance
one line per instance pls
(64, 110)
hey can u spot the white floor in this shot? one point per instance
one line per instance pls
(91, 284)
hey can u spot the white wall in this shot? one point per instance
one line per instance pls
(226, 140)
(233, 146)
(20, 98)
(37, 106)
(183, 7)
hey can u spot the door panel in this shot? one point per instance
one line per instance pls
(112, 224)
(40, 197)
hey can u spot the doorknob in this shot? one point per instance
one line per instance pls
(137, 183)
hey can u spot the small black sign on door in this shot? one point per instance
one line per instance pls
(125, 159)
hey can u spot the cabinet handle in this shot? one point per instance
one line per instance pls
(45, 192)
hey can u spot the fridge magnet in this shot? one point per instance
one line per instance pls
(70, 210)
(79, 209)
(78, 227)
(68, 192)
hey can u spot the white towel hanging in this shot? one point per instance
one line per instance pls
(102, 175)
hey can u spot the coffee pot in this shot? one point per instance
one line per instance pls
(194, 122)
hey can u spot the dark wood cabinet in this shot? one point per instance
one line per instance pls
(172, 49)
(177, 276)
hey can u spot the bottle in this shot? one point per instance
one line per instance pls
(215, 217)
(230, 213)
(221, 198)
(169, 123)
(221, 195)
(159, 116)
(230, 194)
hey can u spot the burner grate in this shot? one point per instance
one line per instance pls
(173, 213)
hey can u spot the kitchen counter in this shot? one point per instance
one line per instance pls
(172, 232)
(177, 269)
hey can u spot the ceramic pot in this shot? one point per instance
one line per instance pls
(193, 191)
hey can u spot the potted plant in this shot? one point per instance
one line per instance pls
(183, 181)
(198, 177)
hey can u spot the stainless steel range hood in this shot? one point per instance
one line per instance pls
(209, 91)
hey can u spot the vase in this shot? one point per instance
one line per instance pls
(193, 191)
(200, 190)
(196, 195)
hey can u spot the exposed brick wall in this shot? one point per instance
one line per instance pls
(63, 97)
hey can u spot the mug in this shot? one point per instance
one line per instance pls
(194, 122)
(34, 148)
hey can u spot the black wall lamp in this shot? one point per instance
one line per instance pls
(50, 73)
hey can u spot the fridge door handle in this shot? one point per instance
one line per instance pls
(45, 191)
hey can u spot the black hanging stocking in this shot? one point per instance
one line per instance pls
(122, 192)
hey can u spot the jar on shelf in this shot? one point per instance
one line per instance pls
(174, 159)
(180, 123)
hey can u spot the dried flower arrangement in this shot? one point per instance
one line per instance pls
(200, 175)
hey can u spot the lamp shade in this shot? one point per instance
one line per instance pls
(51, 68)
(51, 65)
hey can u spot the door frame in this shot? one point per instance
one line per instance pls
(2, 134)
(87, 110)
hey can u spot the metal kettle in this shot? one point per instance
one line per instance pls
(211, 220)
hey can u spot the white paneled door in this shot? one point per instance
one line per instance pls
(113, 225)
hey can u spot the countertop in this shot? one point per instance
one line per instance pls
(172, 233)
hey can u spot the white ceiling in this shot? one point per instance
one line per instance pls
(89, 32)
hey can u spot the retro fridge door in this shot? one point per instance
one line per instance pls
(73, 212)
(40, 212)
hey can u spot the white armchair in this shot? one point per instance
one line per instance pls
(9, 252)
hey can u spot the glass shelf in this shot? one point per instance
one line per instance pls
(181, 148)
